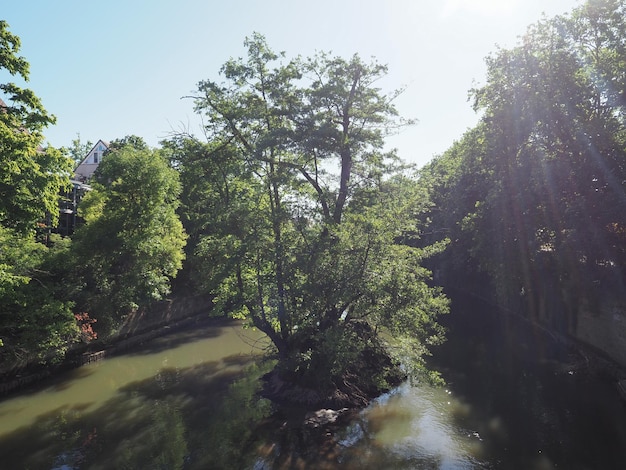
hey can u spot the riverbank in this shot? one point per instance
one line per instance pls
(191, 399)
(581, 355)
(178, 398)
(142, 326)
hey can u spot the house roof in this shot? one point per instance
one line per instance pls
(100, 141)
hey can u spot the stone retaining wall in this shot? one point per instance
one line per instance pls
(164, 313)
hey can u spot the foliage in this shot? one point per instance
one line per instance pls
(36, 319)
(539, 184)
(132, 141)
(78, 150)
(85, 325)
(295, 211)
(30, 175)
(218, 203)
(131, 245)
(36, 322)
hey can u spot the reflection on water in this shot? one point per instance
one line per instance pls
(152, 409)
(510, 402)
(189, 400)
(412, 427)
(530, 407)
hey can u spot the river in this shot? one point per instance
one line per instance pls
(512, 400)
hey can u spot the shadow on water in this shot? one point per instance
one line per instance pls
(47, 437)
(58, 382)
(509, 403)
(174, 337)
(526, 397)
(513, 399)
(194, 417)
(65, 380)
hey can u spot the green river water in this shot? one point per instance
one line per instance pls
(187, 401)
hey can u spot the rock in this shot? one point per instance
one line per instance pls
(323, 417)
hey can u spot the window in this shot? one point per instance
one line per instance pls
(95, 157)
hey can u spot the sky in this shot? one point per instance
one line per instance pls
(122, 67)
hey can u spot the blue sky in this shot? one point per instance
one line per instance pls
(120, 67)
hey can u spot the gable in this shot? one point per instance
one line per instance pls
(94, 156)
(91, 161)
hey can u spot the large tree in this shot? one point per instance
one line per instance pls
(35, 318)
(312, 212)
(30, 175)
(554, 108)
(131, 245)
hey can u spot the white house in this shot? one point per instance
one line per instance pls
(85, 169)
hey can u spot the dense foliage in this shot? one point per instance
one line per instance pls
(53, 290)
(30, 176)
(294, 213)
(131, 245)
(534, 196)
(35, 319)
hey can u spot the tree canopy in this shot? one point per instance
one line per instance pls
(35, 318)
(131, 245)
(296, 209)
(539, 185)
(30, 175)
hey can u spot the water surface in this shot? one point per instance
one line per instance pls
(189, 400)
